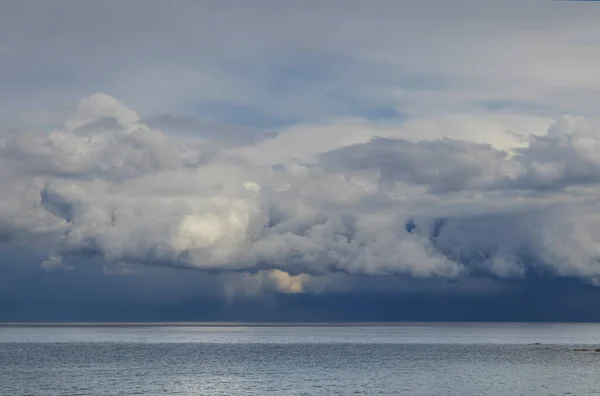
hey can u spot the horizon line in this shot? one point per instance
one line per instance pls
(270, 324)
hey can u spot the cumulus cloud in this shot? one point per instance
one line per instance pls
(107, 185)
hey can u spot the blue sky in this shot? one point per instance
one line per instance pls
(374, 161)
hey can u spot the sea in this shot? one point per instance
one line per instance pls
(227, 359)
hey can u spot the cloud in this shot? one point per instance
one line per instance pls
(564, 156)
(225, 159)
(196, 59)
(54, 263)
(107, 186)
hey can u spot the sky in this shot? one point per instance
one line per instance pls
(299, 161)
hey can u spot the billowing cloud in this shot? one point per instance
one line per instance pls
(106, 185)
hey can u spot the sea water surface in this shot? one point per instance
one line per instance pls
(405, 359)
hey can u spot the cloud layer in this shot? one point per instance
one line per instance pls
(323, 148)
(106, 185)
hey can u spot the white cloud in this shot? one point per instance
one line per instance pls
(401, 207)
(480, 142)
